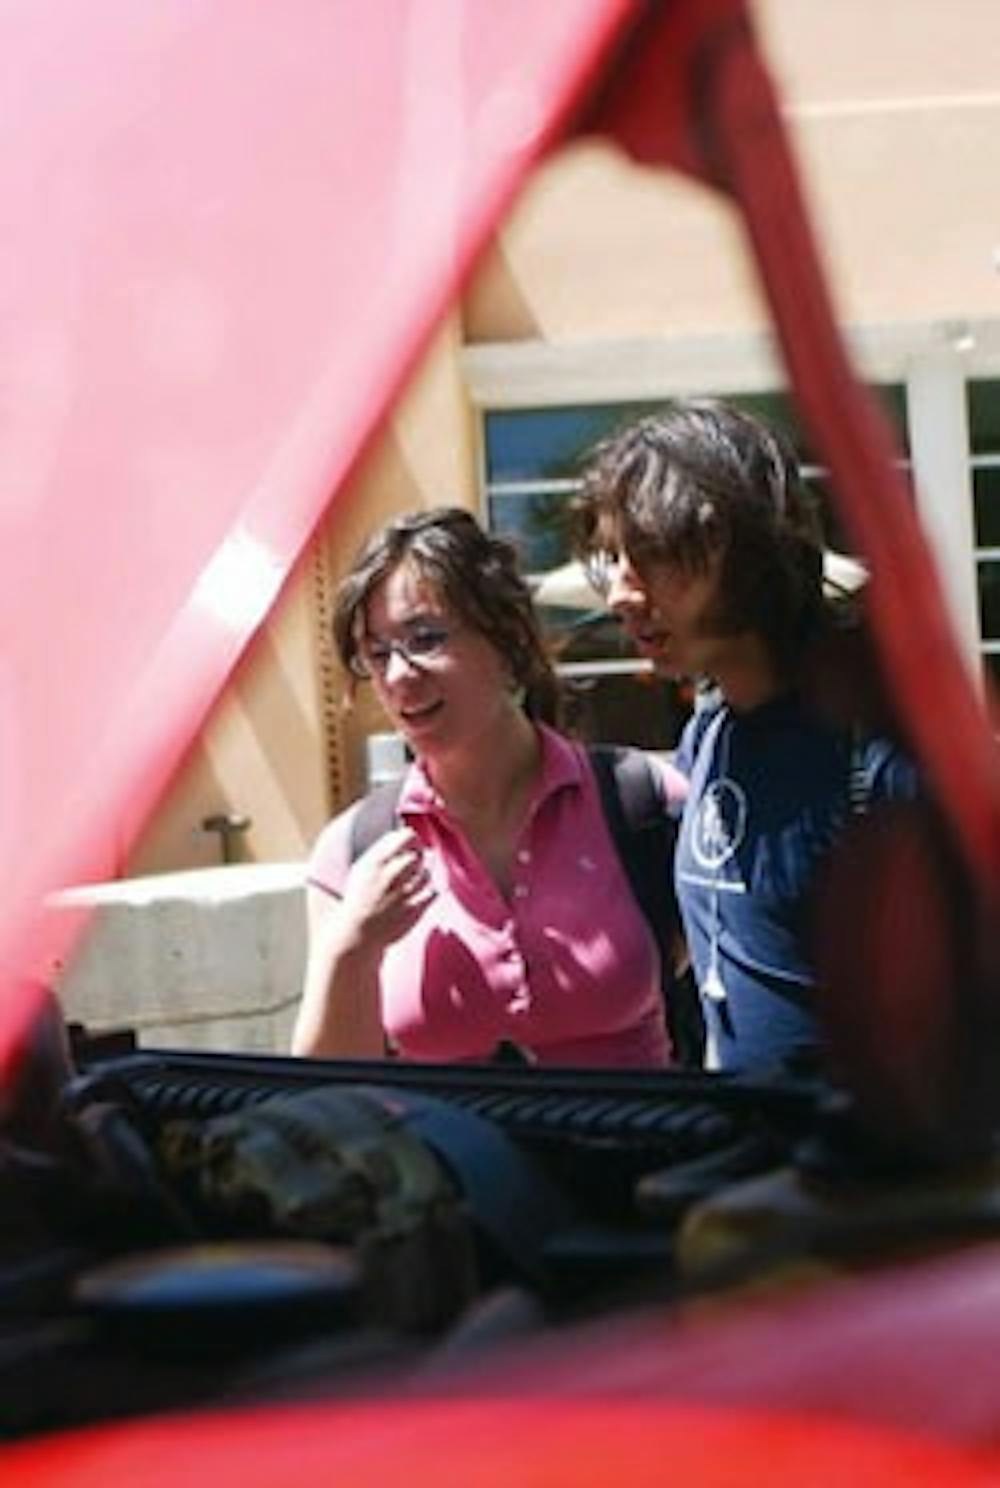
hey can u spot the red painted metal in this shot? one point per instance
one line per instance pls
(907, 1347)
(496, 1442)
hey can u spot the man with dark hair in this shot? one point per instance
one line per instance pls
(697, 528)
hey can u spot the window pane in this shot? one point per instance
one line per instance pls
(778, 410)
(548, 443)
(986, 495)
(536, 524)
(984, 417)
(989, 599)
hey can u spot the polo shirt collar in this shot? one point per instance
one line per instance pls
(562, 769)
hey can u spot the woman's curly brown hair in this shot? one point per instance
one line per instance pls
(477, 576)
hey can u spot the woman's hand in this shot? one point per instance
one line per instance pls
(387, 890)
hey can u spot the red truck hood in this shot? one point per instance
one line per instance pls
(228, 232)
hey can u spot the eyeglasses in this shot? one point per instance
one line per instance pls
(605, 567)
(600, 566)
(422, 644)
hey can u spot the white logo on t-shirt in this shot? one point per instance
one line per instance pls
(719, 825)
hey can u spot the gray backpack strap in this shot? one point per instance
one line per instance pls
(376, 815)
(644, 836)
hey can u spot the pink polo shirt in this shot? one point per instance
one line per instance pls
(567, 968)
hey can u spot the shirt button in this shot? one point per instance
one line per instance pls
(520, 891)
(524, 856)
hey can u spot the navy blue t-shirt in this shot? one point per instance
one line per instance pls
(770, 789)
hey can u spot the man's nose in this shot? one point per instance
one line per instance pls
(625, 589)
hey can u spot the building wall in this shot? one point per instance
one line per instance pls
(280, 748)
(261, 755)
(894, 112)
(607, 271)
(426, 458)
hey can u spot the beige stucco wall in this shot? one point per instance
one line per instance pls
(261, 754)
(427, 458)
(895, 108)
(894, 111)
(274, 749)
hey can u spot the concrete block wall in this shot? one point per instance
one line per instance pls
(207, 959)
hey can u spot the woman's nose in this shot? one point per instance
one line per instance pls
(398, 665)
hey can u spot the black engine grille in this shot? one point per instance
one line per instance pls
(678, 1117)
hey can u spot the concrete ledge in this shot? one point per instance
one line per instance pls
(208, 959)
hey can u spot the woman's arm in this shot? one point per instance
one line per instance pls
(385, 893)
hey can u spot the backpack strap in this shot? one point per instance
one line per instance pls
(644, 836)
(376, 815)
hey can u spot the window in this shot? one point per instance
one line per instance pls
(984, 438)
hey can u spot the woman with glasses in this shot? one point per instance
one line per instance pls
(496, 911)
(697, 528)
